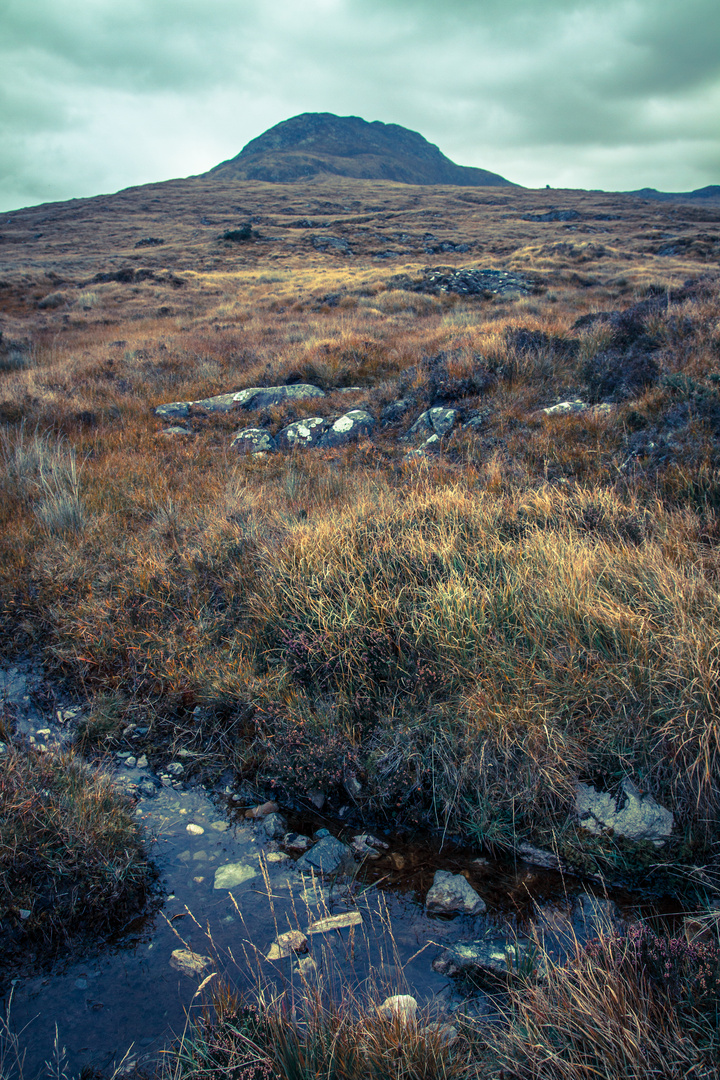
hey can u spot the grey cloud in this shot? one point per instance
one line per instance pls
(577, 91)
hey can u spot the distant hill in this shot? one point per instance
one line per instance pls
(316, 144)
(712, 191)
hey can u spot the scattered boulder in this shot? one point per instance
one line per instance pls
(328, 856)
(628, 813)
(176, 430)
(464, 281)
(348, 428)
(553, 215)
(402, 1007)
(431, 446)
(253, 441)
(451, 894)
(303, 433)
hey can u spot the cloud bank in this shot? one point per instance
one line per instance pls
(96, 95)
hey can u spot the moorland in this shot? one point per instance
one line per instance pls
(441, 630)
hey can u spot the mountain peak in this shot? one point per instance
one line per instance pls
(315, 144)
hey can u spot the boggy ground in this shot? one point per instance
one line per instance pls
(447, 640)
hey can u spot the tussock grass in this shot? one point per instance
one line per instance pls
(634, 1006)
(71, 858)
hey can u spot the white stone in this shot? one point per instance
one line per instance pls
(232, 874)
(194, 830)
(335, 922)
(400, 1007)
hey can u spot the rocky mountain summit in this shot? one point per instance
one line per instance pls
(316, 144)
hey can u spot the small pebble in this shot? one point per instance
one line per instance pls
(130, 762)
(142, 761)
(195, 830)
(220, 826)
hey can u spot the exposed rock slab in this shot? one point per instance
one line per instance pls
(335, 922)
(402, 1007)
(293, 941)
(253, 397)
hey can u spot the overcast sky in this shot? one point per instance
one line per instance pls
(97, 95)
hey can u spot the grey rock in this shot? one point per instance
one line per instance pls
(147, 786)
(173, 409)
(396, 410)
(632, 815)
(175, 768)
(327, 857)
(275, 826)
(348, 428)
(478, 420)
(431, 446)
(451, 894)
(296, 843)
(442, 420)
(253, 441)
(176, 430)
(365, 846)
(303, 433)
(253, 397)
